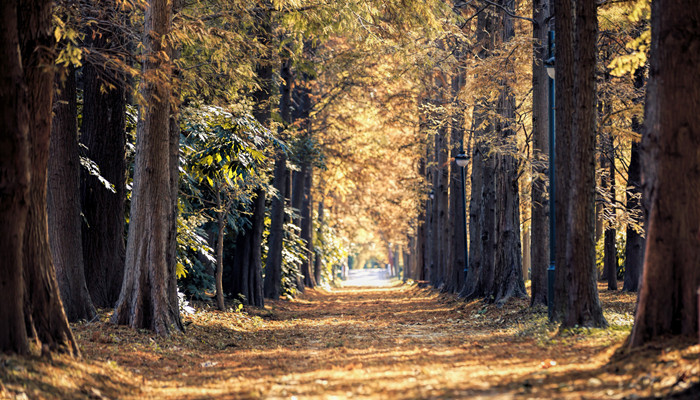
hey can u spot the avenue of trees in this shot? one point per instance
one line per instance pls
(230, 152)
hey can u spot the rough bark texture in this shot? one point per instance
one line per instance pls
(103, 135)
(273, 265)
(539, 243)
(479, 278)
(508, 272)
(63, 203)
(667, 300)
(576, 293)
(43, 302)
(146, 299)
(14, 183)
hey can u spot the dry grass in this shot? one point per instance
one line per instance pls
(396, 342)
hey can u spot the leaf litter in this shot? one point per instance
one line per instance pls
(396, 342)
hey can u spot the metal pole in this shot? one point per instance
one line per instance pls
(552, 189)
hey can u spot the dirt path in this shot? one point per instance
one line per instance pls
(385, 342)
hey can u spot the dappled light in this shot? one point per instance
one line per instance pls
(397, 342)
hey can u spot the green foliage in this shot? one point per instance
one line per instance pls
(329, 246)
(223, 152)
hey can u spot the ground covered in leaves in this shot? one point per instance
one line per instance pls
(393, 342)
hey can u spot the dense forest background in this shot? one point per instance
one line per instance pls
(159, 152)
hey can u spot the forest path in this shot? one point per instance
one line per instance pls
(384, 342)
(391, 342)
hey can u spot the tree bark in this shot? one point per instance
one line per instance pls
(508, 272)
(306, 227)
(539, 239)
(146, 297)
(43, 302)
(103, 134)
(63, 203)
(576, 293)
(14, 183)
(668, 303)
(255, 276)
(458, 241)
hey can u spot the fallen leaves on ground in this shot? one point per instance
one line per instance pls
(397, 342)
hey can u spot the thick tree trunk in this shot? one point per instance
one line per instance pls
(103, 135)
(539, 239)
(14, 183)
(174, 163)
(145, 300)
(63, 203)
(508, 271)
(634, 246)
(273, 265)
(668, 302)
(576, 293)
(42, 299)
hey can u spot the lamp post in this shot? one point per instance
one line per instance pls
(462, 160)
(549, 65)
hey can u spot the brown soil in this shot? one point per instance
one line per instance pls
(396, 342)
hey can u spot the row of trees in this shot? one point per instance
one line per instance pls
(600, 88)
(251, 146)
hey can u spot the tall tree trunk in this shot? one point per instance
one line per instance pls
(576, 293)
(258, 224)
(63, 203)
(273, 265)
(306, 228)
(174, 164)
(610, 248)
(103, 134)
(458, 241)
(634, 245)
(42, 299)
(145, 300)
(479, 278)
(539, 239)
(508, 272)
(14, 182)
(668, 302)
